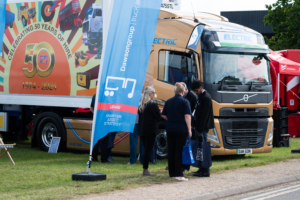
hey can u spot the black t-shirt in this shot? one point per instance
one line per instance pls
(93, 101)
(175, 109)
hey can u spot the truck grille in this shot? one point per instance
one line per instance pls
(243, 132)
(252, 142)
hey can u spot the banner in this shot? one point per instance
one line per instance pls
(49, 58)
(127, 50)
(2, 24)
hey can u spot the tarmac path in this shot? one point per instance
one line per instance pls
(194, 187)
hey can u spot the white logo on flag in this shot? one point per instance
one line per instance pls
(110, 91)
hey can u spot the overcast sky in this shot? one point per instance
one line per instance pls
(216, 6)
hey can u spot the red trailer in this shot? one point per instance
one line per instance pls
(68, 16)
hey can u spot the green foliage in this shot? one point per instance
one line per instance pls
(284, 17)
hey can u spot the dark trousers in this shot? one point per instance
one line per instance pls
(133, 138)
(103, 142)
(148, 142)
(176, 141)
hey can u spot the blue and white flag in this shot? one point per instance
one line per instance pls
(126, 54)
(2, 21)
(195, 37)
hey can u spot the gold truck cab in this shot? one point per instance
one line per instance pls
(231, 61)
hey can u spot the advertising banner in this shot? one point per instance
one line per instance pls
(51, 52)
(2, 23)
(128, 47)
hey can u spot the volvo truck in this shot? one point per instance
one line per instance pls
(42, 81)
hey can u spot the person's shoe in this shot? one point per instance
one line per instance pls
(147, 173)
(181, 178)
(197, 172)
(110, 159)
(95, 159)
(130, 163)
(167, 168)
(202, 175)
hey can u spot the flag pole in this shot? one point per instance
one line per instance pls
(107, 6)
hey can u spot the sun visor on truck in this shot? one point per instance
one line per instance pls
(217, 41)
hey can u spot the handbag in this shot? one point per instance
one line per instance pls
(187, 155)
(202, 153)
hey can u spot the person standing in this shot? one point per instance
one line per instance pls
(149, 116)
(192, 98)
(133, 139)
(177, 112)
(103, 142)
(204, 118)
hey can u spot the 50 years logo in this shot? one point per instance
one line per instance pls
(42, 58)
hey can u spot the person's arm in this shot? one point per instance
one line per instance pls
(188, 119)
(165, 117)
(92, 109)
(156, 112)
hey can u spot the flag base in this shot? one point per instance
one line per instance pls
(295, 150)
(92, 176)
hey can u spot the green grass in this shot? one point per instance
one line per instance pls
(39, 175)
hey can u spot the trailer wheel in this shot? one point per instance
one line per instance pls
(24, 21)
(49, 127)
(46, 15)
(162, 144)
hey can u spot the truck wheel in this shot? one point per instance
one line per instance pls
(72, 27)
(49, 127)
(11, 25)
(91, 47)
(24, 21)
(162, 144)
(46, 15)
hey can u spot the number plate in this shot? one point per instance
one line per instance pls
(244, 151)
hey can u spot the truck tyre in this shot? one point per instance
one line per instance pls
(11, 25)
(72, 27)
(48, 127)
(24, 21)
(91, 47)
(162, 144)
(47, 16)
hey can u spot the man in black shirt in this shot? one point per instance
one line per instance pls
(204, 118)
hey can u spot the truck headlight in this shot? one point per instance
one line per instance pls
(271, 133)
(214, 137)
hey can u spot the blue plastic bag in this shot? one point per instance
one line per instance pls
(187, 154)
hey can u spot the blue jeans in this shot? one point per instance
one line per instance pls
(133, 145)
(204, 135)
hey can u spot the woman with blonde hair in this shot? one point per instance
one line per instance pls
(149, 116)
(177, 112)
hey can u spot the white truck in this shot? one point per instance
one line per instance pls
(93, 27)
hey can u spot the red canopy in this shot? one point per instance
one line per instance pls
(283, 65)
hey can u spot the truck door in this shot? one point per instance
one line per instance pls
(174, 66)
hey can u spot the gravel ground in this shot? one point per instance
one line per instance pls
(197, 186)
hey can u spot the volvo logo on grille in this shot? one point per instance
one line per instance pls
(245, 98)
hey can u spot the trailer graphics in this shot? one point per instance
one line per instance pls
(40, 57)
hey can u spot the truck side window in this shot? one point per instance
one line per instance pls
(175, 67)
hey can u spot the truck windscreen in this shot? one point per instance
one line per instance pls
(236, 69)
